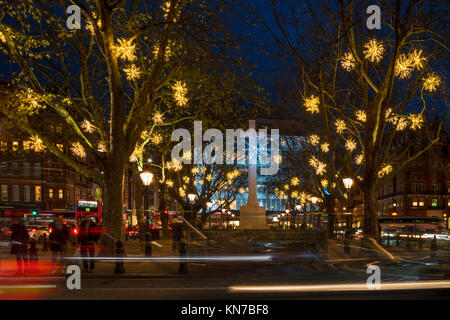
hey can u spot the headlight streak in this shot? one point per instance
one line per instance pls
(385, 286)
(177, 259)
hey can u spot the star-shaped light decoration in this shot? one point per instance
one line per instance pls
(385, 171)
(156, 138)
(373, 50)
(137, 153)
(360, 115)
(295, 181)
(78, 150)
(179, 93)
(126, 50)
(311, 104)
(348, 62)
(314, 139)
(158, 118)
(416, 59)
(340, 126)
(431, 82)
(133, 72)
(87, 126)
(403, 67)
(416, 121)
(36, 143)
(359, 159)
(350, 145)
(169, 183)
(325, 147)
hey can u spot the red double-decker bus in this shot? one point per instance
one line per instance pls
(91, 206)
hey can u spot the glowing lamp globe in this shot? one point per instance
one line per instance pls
(146, 177)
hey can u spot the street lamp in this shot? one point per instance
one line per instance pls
(191, 197)
(348, 182)
(147, 177)
(297, 208)
(221, 218)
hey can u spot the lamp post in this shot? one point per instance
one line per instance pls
(191, 197)
(147, 177)
(209, 206)
(297, 207)
(348, 182)
(221, 218)
(313, 201)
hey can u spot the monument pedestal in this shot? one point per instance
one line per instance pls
(252, 217)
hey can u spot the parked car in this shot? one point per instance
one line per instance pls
(33, 231)
(42, 230)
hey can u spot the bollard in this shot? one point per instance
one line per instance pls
(45, 245)
(397, 239)
(33, 258)
(183, 263)
(420, 241)
(433, 244)
(148, 245)
(407, 242)
(119, 258)
(346, 243)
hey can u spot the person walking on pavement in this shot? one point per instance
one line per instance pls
(59, 234)
(87, 238)
(19, 240)
(177, 233)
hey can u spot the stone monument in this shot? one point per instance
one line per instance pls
(252, 216)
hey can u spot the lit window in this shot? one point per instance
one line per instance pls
(4, 196)
(37, 193)
(434, 202)
(61, 194)
(60, 147)
(15, 145)
(3, 145)
(414, 203)
(26, 145)
(421, 204)
(50, 193)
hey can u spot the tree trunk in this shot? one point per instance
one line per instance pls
(370, 211)
(113, 204)
(204, 217)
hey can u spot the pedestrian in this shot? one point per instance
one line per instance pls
(19, 240)
(59, 234)
(87, 238)
(177, 233)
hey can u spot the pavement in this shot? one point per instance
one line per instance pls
(215, 274)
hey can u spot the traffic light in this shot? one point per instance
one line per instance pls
(34, 213)
(166, 211)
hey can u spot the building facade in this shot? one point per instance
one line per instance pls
(38, 180)
(420, 189)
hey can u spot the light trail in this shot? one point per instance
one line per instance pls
(177, 259)
(386, 286)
